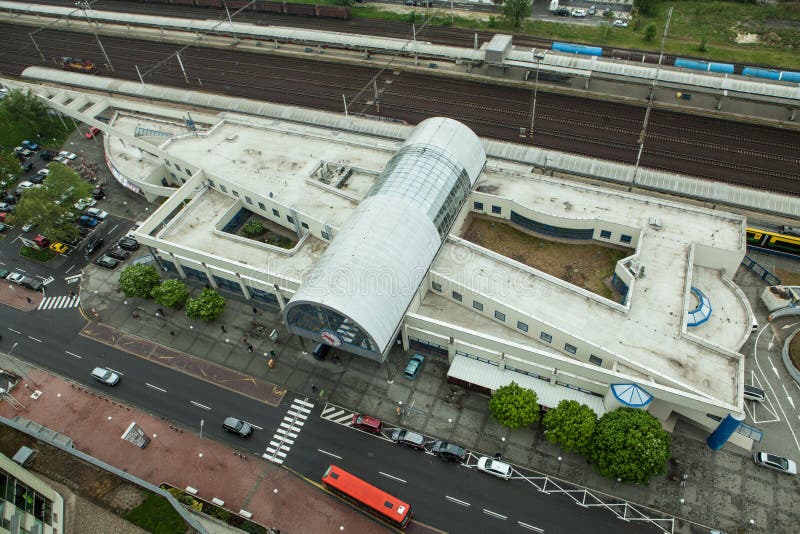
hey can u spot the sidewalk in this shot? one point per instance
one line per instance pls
(95, 423)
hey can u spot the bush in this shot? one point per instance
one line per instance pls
(37, 254)
(206, 307)
(253, 227)
(138, 280)
(650, 32)
(514, 407)
(172, 293)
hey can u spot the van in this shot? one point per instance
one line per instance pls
(320, 351)
(754, 394)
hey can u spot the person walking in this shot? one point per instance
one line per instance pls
(223, 328)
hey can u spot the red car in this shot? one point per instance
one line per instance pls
(367, 423)
(41, 241)
(93, 132)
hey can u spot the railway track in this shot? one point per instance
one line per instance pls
(749, 155)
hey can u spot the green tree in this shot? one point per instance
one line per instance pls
(646, 7)
(571, 425)
(172, 293)
(50, 207)
(253, 227)
(25, 107)
(631, 445)
(138, 280)
(207, 306)
(9, 166)
(702, 46)
(514, 407)
(650, 32)
(516, 11)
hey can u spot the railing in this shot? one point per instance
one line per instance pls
(760, 271)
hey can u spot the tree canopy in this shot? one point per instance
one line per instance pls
(514, 407)
(138, 280)
(9, 167)
(206, 307)
(26, 108)
(172, 293)
(516, 11)
(571, 425)
(630, 445)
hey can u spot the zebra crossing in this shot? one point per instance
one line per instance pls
(54, 303)
(287, 431)
(337, 415)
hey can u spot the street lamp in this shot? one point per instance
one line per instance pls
(202, 422)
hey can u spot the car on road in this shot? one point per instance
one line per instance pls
(106, 376)
(89, 222)
(31, 283)
(30, 145)
(61, 248)
(413, 367)
(237, 426)
(66, 154)
(97, 213)
(128, 243)
(367, 423)
(619, 23)
(449, 452)
(118, 253)
(94, 245)
(494, 467)
(778, 463)
(108, 262)
(753, 393)
(15, 277)
(93, 131)
(408, 438)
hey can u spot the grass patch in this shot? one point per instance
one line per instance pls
(37, 254)
(156, 515)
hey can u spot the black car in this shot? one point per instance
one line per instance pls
(128, 243)
(94, 245)
(408, 438)
(31, 283)
(8, 198)
(449, 451)
(118, 253)
(98, 194)
(37, 179)
(27, 166)
(108, 262)
(47, 155)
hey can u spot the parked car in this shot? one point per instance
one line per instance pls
(15, 277)
(30, 145)
(89, 222)
(562, 12)
(449, 451)
(237, 426)
(47, 155)
(413, 367)
(22, 151)
(3, 274)
(61, 159)
(367, 423)
(778, 463)
(753, 393)
(494, 467)
(66, 154)
(43, 172)
(24, 186)
(31, 283)
(105, 376)
(3, 216)
(108, 262)
(5, 207)
(94, 245)
(41, 241)
(37, 179)
(97, 213)
(61, 248)
(83, 203)
(27, 166)
(579, 13)
(592, 10)
(118, 253)
(3, 227)
(98, 194)
(27, 228)
(93, 131)
(619, 23)
(128, 243)
(408, 438)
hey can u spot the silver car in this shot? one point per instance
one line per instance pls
(494, 467)
(778, 463)
(237, 426)
(105, 376)
(15, 277)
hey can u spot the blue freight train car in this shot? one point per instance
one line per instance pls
(772, 74)
(726, 68)
(578, 49)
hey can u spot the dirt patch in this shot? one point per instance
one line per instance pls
(794, 351)
(788, 278)
(589, 266)
(747, 38)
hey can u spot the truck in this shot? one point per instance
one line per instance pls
(78, 65)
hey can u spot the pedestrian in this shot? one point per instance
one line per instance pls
(71, 294)
(255, 310)
(313, 388)
(172, 333)
(135, 314)
(244, 340)
(249, 348)
(161, 311)
(223, 327)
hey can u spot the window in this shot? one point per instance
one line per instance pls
(605, 234)
(572, 349)
(595, 360)
(173, 176)
(275, 212)
(478, 206)
(477, 305)
(544, 336)
(436, 286)
(496, 209)
(188, 172)
(178, 167)
(235, 193)
(211, 183)
(522, 326)
(625, 238)
(262, 206)
(499, 315)
(325, 235)
(304, 225)
(167, 163)
(223, 188)
(183, 180)
(248, 200)
(457, 296)
(290, 219)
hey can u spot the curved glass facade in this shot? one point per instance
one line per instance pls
(314, 319)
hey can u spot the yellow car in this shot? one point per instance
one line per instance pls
(61, 248)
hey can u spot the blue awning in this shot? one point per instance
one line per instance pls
(631, 395)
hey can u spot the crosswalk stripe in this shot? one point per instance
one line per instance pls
(286, 433)
(283, 440)
(304, 403)
(271, 459)
(296, 414)
(64, 301)
(276, 453)
(294, 422)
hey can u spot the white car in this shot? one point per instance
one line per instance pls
(62, 160)
(619, 23)
(66, 154)
(778, 463)
(579, 13)
(494, 467)
(105, 376)
(97, 213)
(25, 185)
(44, 172)
(27, 228)
(83, 203)
(15, 277)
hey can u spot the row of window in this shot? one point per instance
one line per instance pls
(178, 168)
(479, 207)
(500, 316)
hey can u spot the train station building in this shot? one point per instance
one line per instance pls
(366, 247)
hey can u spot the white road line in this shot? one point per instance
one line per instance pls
(203, 406)
(387, 475)
(15, 331)
(72, 354)
(20, 270)
(296, 414)
(120, 373)
(36, 340)
(68, 270)
(255, 426)
(271, 459)
(155, 387)
(285, 433)
(283, 440)
(494, 514)
(275, 452)
(457, 501)
(529, 527)
(304, 403)
(330, 454)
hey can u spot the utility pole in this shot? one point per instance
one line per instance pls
(37, 47)
(539, 56)
(84, 5)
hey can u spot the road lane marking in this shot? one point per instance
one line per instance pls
(457, 501)
(15, 331)
(203, 406)
(36, 340)
(73, 354)
(330, 454)
(112, 230)
(155, 387)
(494, 514)
(387, 475)
(120, 373)
(529, 527)
(254, 426)
(68, 270)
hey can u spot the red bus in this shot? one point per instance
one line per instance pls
(387, 508)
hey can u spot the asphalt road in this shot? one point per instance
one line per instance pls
(477, 502)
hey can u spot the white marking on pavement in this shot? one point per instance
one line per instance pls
(254, 426)
(285, 433)
(15, 331)
(112, 230)
(20, 270)
(36, 340)
(304, 403)
(774, 369)
(387, 475)
(155, 387)
(330, 454)
(457, 501)
(120, 373)
(68, 270)
(203, 406)
(494, 514)
(283, 440)
(529, 527)
(75, 355)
